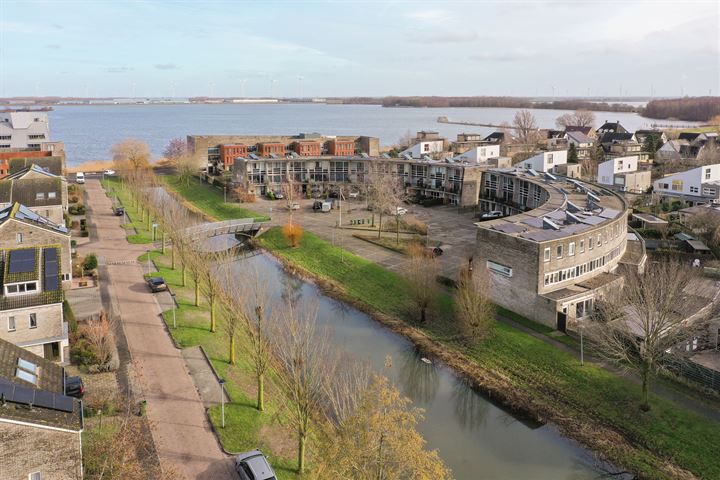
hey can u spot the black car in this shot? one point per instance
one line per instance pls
(119, 211)
(317, 205)
(156, 284)
(74, 387)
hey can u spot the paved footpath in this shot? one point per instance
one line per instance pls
(182, 434)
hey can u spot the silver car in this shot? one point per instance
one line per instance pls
(253, 465)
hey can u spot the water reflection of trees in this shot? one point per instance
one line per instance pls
(419, 380)
(469, 407)
(291, 289)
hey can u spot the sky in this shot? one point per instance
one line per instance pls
(103, 48)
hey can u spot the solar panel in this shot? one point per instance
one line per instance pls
(50, 269)
(22, 395)
(44, 399)
(63, 403)
(22, 261)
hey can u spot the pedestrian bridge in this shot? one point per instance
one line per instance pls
(245, 227)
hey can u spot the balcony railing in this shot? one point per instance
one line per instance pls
(33, 300)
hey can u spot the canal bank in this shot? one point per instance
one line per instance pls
(587, 403)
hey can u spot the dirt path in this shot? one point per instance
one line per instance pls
(183, 437)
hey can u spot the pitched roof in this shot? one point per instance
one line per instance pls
(579, 137)
(26, 191)
(495, 137)
(53, 164)
(23, 214)
(578, 128)
(612, 127)
(34, 168)
(610, 137)
(689, 136)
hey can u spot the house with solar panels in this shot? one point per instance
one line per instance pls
(558, 246)
(31, 313)
(38, 189)
(40, 427)
(20, 226)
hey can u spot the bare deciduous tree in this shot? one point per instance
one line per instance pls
(175, 149)
(186, 167)
(708, 155)
(385, 192)
(421, 276)
(131, 154)
(475, 310)
(302, 351)
(100, 337)
(580, 118)
(526, 129)
(642, 324)
(406, 140)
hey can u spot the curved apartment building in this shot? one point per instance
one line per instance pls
(558, 248)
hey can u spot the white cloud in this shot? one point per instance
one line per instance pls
(432, 15)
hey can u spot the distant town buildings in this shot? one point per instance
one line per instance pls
(623, 173)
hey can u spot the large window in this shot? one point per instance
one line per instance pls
(499, 269)
(547, 255)
(677, 185)
(571, 249)
(21, 288)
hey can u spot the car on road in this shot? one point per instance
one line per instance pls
(434, 251)
(156, 284)
(326, 206)
(490, 215)
(74, 387)
(79, 177)
(294, 206)
(253, 465)
(119, 211)
(317, 205)
(353, 194)
(108, 171)
(399, 211)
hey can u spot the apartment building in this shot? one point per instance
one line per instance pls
(481, 154)
(41, 191)
(622, 173)
(40, 427)
(217, 153)
(21, 227)
(24, 130)
(559, 248)
(546, 161)
(696, 186)
(425, 148)
(31, 314)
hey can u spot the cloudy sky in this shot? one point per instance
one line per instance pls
(346, 48)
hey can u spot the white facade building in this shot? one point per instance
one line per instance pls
(480, 154)
(425, 148)
(546, 161)
(699, 185)
(23, 129)
(622, 173)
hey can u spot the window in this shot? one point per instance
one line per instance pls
(590, 243)
(582, 246)
(559, 251)
(707, 174)
(547, 255)
(28, 377)
(33, 320)
(40, 196)
(571, 249)
(694, 189)
(599, 239)
(500, 269)
(677, 185)
(65, 277)
(20, 288)
(34, 476)
(11, 324)
(18, 238)
(52, 195)
(550, 158)
(5, 137)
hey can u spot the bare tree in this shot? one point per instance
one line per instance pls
(475, 310)
(186, 167)
(580, 118)
(302, 351)
(526, 129)
(421, 276)
(644, 322)
(131, 154)
(99, 335)
(706, 225)
(203, 269)
(709, 154)
(406, 140)
(385, 192)
(175, 149)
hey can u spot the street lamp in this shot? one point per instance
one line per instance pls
(222, 401)
(582, 346)
(172, 295)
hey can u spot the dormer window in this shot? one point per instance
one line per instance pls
(21, 288)
(40, 196)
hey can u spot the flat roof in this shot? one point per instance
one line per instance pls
(647, 218)
(572, 207)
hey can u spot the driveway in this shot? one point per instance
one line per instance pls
(183, 437)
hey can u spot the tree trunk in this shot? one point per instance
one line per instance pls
(301, 452)
(213, 325)
(261, 392)
(197, 293)
(163, 242)
(422, 314)
(184, 276)
(232, 350)
(645, 406)
(397, 230)
(379, 224)
(172, 253)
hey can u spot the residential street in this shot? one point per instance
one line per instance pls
(182, 434)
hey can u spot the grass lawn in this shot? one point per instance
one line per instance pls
(208, 199)
(137, 231)
(245, 427)
(553, 377)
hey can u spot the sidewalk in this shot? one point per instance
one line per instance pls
(183, 438)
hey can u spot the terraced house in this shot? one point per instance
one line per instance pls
(31, 314)
(38, 189)
(558, 249)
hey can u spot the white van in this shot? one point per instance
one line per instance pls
(326, 207)
(79, 177)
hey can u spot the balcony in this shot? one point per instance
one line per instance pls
(33, 300)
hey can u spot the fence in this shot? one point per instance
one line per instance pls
(694, 372)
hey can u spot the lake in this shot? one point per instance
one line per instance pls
(90, 131)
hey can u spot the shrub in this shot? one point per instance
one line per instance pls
(292, 233)
(84, 233)
(271, 195)
(90, 262)
(81, 353)
(78, 209)
(414, 225)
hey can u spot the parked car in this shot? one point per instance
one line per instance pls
(253, 465)
(156, 284)
(435, 251)
(353, 194)
(278, 195)
(294, 206)
(79, 177)
(399, 211)
(326, 207)
(317, 205)
(119, 211)
(74, 387)
(108, 171)
(334, 194)
(491, 214)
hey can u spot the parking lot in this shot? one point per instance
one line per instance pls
(452, 229)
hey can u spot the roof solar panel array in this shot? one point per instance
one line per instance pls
(22, 260)
(14, 393)
(50, 269)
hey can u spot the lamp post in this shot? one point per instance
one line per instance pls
(174, 305)
(222, 401)
(582, 346)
